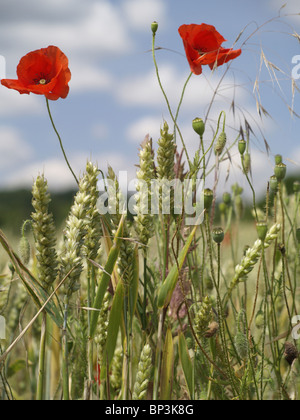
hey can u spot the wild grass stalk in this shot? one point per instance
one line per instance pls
(144, 305)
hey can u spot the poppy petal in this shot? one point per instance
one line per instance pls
(43, 72)
(15, 84)
(202, 44)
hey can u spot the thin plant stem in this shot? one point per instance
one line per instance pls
(180, 102)
(158, 354)
(65, 370)
(41, 374)
(60, 141)
(219, 304)
(264, 330)
(145, 292)
(167, 101)
(252, 189)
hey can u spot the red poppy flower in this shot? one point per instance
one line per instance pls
(202, 45)
(44, 72)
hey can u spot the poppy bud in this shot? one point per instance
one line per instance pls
(239, 207)
(198, 126)
(209, 284)
(273, 183)
(247, 162)
(154, 27)
(227, 198)
(262, 229)
(296, 186)
(218, 235)
(236, 189)
(259, 319)
(24, 248)
(290, 353)
(241, 344)
(208, 198)
(222, 208)
(242, 146)
(280, 171)
(220, 143)
(278, 159)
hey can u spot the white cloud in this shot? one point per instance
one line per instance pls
(12, 103)
(99, 28)
(147, 125)
(145, 91)
(13, 149)
(55, 170)
(59, 176)
(86, 76)
(141, 13)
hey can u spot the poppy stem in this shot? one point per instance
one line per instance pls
(60, 142)
(168, 103)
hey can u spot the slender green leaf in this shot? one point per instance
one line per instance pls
(133, 291)
(167, 288)
(114, 322)
(186, 363)
(106, 276)
(15, 367)
(167, 367)
(33, 287)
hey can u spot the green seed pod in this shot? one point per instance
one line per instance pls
(209, 284)
(273, 183)
(24, 248)
(222, 208)
(262, 229)
(242, 345)
(278, 159)
(259, 319)
(154, 27)
(242, 146)
(227, 198)
(247, 162)
(220, 144)
(280, 171)
(208, 198)
(218, 235)
(236, 189)
(290, 353)
(296, 186)
(198, 126)
(239, 207)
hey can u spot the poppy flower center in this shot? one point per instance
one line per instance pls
(41, 80)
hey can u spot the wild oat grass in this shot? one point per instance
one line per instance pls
(118, 306)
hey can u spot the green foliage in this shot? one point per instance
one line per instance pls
(15, 207)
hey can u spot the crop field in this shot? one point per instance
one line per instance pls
(181, 291)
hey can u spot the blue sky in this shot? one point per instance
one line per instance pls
(114, 99)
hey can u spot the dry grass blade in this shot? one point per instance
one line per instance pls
(15, 342)
(35, 290)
